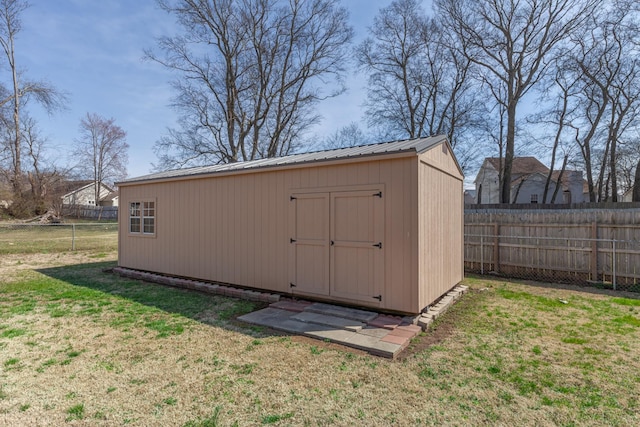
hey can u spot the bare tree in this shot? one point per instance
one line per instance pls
(554, 134)
(347, 136)
(606, 68)
(512, 43)
(418, 78)
(102, 151)
(43, 174)
(249, 75)
(21, 89)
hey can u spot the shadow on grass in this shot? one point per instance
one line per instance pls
(96, 281)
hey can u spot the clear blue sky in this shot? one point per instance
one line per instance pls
(92, 50)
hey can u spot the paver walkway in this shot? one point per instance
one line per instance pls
(378, 334)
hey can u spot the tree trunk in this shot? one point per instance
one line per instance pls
(559, 181)
(505, 196)
(636, 185)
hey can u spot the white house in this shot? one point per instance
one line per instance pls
(84, 195)
(528, 178)
(110, 199)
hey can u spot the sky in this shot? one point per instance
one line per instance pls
(93, 52)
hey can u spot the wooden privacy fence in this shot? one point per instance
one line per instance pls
(91, 212)
(583, 247)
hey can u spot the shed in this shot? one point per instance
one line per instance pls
(377, 226)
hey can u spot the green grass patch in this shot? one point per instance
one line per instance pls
(574, 340)
(626, 301)
(75, 412)
(12, 333)
(210, 421)
(11, 362)
(272, 419)
(627, 320)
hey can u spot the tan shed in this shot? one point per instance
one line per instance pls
(378, 226)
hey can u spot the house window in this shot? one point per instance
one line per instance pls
(534, 198)
(142, 217)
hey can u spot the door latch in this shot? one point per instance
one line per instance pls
(378, 297)
(378, 245)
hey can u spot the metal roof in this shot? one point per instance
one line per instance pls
(417, 145)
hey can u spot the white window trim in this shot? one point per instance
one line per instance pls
(142, 217)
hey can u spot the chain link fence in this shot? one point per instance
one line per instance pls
(603, 263)
(49, 238)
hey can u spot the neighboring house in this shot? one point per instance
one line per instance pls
(84, 194)
(469, 197)
(528, 178)
(110, 199)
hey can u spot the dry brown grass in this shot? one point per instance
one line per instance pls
(506, 354)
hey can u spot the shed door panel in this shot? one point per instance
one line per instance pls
(311, 243)
(357, 221)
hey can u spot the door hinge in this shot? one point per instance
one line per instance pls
(378, 194)
(292, 198)
(291, 285)
(378, 245)
(292, 240)
(378, 297)
(333, 243)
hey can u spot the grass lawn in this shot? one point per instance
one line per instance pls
(36, 238)
(80, 346)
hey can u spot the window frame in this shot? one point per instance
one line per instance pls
(143, 213)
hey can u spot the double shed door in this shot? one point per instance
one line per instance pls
(337, 244)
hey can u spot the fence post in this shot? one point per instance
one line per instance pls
(73, 237)
(594, 251)
(481, 253)
(496, 247)
(613, 278)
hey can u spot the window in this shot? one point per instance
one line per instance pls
(534, 198)
(134, 217)
(149, 217)
(142, 217)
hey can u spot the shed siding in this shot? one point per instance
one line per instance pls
(440, 226)
(235, 228)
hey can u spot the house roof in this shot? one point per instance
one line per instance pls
(418, 145)
(81, 185)
(524, 167)
(111, 196)
(68, 187)
(520, 165)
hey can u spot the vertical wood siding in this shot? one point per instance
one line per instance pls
(441, 226)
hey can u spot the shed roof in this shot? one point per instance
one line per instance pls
(418, 145)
